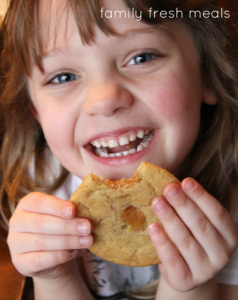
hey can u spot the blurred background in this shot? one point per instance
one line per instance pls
(3, 7)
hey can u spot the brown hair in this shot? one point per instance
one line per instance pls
(213, 161)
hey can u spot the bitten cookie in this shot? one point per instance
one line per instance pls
(120, 212)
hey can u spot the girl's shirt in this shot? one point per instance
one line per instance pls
(229, 275)
(107, 279)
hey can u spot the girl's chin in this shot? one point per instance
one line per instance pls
(116, 173)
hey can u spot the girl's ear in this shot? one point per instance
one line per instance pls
(209, 96)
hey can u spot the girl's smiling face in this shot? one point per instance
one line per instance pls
(144, 79)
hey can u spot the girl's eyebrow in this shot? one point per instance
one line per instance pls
(127, 34)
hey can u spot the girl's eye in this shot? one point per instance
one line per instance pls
(63, 78)
(141, 58)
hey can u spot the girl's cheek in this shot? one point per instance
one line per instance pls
(169, 103)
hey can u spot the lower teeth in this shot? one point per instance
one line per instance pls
(102, 152)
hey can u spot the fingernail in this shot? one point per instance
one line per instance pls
(172, 192)
(154, 228)
(86, 241)
(83, 228)
(68, 211)
(189, 184)
(159, 203)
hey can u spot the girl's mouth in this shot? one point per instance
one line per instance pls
(123, 145)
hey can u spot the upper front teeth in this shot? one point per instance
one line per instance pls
(141, 134)
(96, 144)
(104, 144)
(112, 144)
(125, 139)
(104, 152)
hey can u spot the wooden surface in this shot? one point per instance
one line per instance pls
(11, 282)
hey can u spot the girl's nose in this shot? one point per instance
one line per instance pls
(106, 99)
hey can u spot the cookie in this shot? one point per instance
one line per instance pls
(120, 212)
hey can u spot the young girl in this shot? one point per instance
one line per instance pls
(88, 87)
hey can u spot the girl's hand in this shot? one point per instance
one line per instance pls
(203, 232)
(44, 233)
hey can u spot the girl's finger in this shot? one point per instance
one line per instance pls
(29, 264)
(208, 238)
(173, 265)
(213, 210)
(47, 204)
(189, 248)
(27, 242)
(25, 221)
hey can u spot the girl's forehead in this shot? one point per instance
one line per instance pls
(57, 22)
(53, 18)
(55, 14)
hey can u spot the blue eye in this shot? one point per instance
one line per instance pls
(141, 58)
(63, 78)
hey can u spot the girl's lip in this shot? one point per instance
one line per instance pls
(119, 161)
